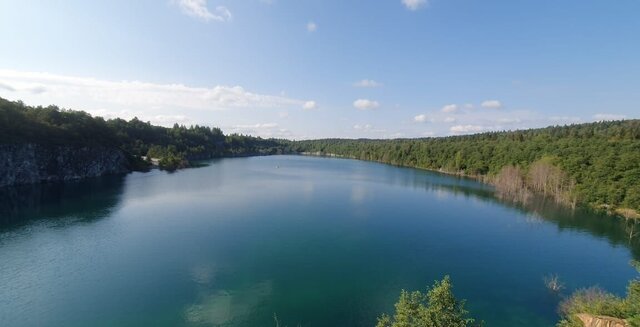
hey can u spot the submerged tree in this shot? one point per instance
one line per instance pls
(511, 184)
(553, 283)
(547, 179)
(437, 308)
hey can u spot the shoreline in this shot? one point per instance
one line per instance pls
(625, 213)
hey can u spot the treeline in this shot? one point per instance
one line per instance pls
(594, 163)
(174, 147)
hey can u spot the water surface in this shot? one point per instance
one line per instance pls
(319, 242)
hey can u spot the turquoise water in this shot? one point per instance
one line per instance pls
(319, 242)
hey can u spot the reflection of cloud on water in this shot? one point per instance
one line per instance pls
(441, 194)
(359, 193)
(226, 307)
(308, 190)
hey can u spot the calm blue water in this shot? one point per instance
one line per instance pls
(319, 242)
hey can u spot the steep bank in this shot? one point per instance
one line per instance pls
(32, 163)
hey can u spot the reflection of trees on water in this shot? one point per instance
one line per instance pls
(616, 230)
(85, 200)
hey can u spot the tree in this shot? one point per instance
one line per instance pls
(596, 301)
(437, 308)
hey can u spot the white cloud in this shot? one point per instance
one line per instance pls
(367, 83)
(362, 126)
(309, 105)
(199, 9)
(65, 90)
(428, 134)
(312, 27)
(450, 108)
(420, 118)
(509, 120)
(565, 119)
(32, 88)
(262, 129)
(468, 106)
(167, 120)
(491, 104)
(365, 104)
(449, 119)
(465, 129)
(259, 125)
(414, 4)
(602, 117)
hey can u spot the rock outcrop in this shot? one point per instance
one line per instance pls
(601, 321)
(33, 163)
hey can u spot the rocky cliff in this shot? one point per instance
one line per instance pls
(33, 163)
(600, 321)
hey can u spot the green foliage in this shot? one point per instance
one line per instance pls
(437, 308)
(174, 146)
(596, 301)
(601, 160)
(51, 125)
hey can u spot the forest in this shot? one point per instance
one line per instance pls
(597, 164)
(594, 163)
(174, 147)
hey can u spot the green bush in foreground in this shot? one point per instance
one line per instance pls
(596, 301)
(437, 308)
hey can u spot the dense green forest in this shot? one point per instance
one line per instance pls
(173, 146)
(595, 163)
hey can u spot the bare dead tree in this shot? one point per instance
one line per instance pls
(511, 184)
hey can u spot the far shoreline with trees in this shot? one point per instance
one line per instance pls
(592, 164)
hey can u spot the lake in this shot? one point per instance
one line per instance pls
(316, 241)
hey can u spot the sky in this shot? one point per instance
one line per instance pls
(302, 69)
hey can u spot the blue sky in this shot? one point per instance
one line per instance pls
(320, 68)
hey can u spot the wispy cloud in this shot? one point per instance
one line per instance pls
(366, 104)
(414, 5)
(467, 129)
(309, 105)
(367, 83)
(136, 93)
(171, 119)
(491, 104)
(450, 108)
(162, 104)
(565, 119)
(601, 117)
(312, 27)
(420, 118)
(362, 126)
(262, 129)
(200, 10)
(6, 87)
